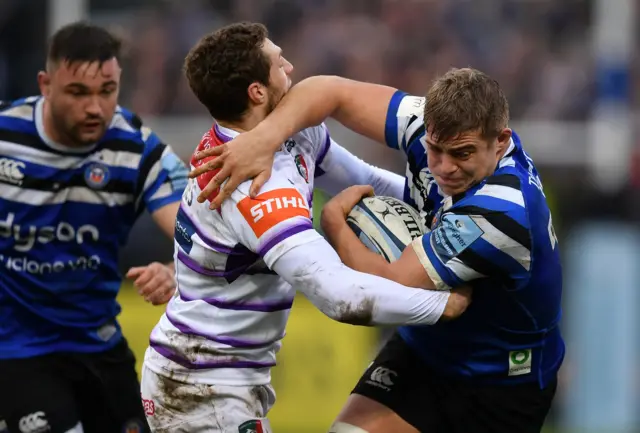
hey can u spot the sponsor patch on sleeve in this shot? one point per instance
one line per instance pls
(271, 208)
(453, 235)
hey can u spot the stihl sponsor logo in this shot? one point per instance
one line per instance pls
(273, 207)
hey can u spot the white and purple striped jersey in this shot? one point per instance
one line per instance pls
(235, 267)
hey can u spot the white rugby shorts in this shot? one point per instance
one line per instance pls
(176, 407)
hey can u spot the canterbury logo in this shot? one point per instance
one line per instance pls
(34, 423)
(273, 207)
(11, 170)
(383, 375)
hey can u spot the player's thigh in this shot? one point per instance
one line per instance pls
(364, 415)
(110, 397)
(394, 394)
(35, 396)
(498, 409)
(173, 406)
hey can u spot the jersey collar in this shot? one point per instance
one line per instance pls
(223, 134)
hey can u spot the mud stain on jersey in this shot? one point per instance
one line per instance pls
(259, 397)
(193, 347)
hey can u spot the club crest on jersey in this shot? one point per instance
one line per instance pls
(301, 164)
(97, 175)
(252, 426)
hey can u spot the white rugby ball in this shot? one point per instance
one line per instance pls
(385, 225)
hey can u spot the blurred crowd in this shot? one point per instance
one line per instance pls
(403, 43)
(538, 49)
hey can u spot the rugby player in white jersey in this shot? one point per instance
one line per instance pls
(208, 365)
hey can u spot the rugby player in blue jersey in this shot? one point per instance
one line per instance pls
(495, 368)
(76, 170)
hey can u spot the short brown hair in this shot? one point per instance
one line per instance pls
(223, 64)
(83, 42)
(464, 100)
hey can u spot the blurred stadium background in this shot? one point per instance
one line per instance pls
(572, 73)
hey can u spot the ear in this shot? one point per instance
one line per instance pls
(44, 83)
(503, 141)
(257, 93)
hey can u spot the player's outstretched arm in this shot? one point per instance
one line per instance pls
(357, 298)
(360, 106)
(276, 225)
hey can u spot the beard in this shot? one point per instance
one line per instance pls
(71, 134)
(275, 96)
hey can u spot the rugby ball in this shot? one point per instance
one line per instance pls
(385, 225)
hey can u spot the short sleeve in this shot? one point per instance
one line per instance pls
(484, 237)
(162, 174)
(404, 120)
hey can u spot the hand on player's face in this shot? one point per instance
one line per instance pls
(344, 201)
(243, 158)
(155, 282)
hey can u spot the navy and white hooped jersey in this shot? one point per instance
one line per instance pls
(64, 215)
(499, 238)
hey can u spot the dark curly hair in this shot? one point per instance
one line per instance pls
(223, 64)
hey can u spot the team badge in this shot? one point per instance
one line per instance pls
(302, 167)
(252, 426)
(97, 175)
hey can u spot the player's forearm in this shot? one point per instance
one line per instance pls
(307, 104)
(352, 252)
(353, 297)
(361, 107)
